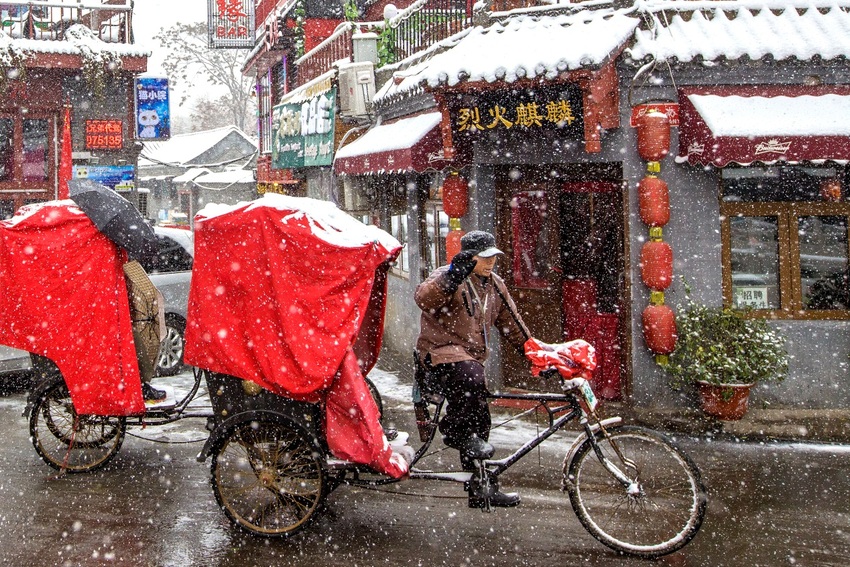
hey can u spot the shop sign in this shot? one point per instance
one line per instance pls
(303, 132)
(118, 177)
(231, 24)
(546, 108)
(153, 117)
(754, 297)
(671, 109)
(104, 134)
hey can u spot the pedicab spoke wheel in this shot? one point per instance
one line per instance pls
(70, 442)
(657, 513)
(268, 477)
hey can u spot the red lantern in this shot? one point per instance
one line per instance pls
(455, 196)
(654, 201)
(653, 135)
(659, 329)
(453, 243)
(656, 265)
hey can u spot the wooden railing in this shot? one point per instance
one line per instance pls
(320, 59)
(426, 23)
(110, 20)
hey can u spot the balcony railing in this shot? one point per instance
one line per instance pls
(110, 20)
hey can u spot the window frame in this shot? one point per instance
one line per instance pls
(790, 283)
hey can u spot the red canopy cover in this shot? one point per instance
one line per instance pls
(289, 293)
(63, 296)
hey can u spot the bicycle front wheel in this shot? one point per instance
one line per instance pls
(661, 508)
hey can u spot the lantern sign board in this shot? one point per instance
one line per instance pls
(303, 132)
(671, 109)
(105, 134)
(117, 177)
(231, 24)
(153, 117)
(754, 297)
(524, 110)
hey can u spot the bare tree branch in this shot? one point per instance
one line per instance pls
(192, 63)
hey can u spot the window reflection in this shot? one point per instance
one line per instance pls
(755, 262)
(437, 227)
(35, 139)
(823, 261)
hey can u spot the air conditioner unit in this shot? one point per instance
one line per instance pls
(356, 89)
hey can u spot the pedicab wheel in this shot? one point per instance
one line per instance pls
(658, 513)
(70, 442)
(267, 477)
(373, 390)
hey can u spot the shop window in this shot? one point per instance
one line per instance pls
(436, 229)
(785, 241)
(398, 228)
(7, 149)
(35, 146)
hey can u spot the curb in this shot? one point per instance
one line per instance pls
(775, 424)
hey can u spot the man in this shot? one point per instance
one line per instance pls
(459, 306)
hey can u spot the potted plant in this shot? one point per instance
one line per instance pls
(725, 352)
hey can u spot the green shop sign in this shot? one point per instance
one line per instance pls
(303, 132)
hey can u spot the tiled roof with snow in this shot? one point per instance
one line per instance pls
(522, 47)
(744, 30)
(183, 148)
(78, 38)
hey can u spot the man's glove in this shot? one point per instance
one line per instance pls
(462, 265)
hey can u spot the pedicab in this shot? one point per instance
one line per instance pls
(285, 319)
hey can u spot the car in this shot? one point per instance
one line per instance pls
(15, 366)
(170, 270)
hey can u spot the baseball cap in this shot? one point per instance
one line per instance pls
(480, 242)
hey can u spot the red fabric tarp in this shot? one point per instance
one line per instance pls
(63, 296)
(289, 293)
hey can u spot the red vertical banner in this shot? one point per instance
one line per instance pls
(66, 166)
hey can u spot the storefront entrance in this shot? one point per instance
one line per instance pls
(567, 263)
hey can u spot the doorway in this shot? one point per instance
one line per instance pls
(565, 263)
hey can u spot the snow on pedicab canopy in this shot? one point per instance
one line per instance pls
(63, 296)
(289, 293)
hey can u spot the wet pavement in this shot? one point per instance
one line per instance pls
(770, 504)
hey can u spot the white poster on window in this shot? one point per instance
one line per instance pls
(754, 297)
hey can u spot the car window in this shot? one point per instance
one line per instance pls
(170, 257)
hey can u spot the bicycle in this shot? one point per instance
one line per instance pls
(631, 487)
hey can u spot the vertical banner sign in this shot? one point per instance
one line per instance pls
(153, 117)
(303, 132)
(231, 24)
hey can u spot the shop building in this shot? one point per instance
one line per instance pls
(55, 56)
(530, 114)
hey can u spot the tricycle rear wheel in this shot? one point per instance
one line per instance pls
(70, 442)
(267, 477)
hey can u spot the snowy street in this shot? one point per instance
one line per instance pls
(770, 504)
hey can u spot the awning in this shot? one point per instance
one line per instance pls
(717, 127)
(409, 144)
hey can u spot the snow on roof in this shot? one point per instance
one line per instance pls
(78, 41)
(228, 177)
(190, 174)
(183, 148)
(328, 222)
(754, 116)
(523, 46)
(786, 29)
(388, 137)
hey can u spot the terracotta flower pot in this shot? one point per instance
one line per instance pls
(716, 400)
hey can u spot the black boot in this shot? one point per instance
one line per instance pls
(498, 499)
(151, 394)
(472, 447)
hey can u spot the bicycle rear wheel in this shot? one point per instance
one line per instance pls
(268, 478)
(658, 513)
(70, 442)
